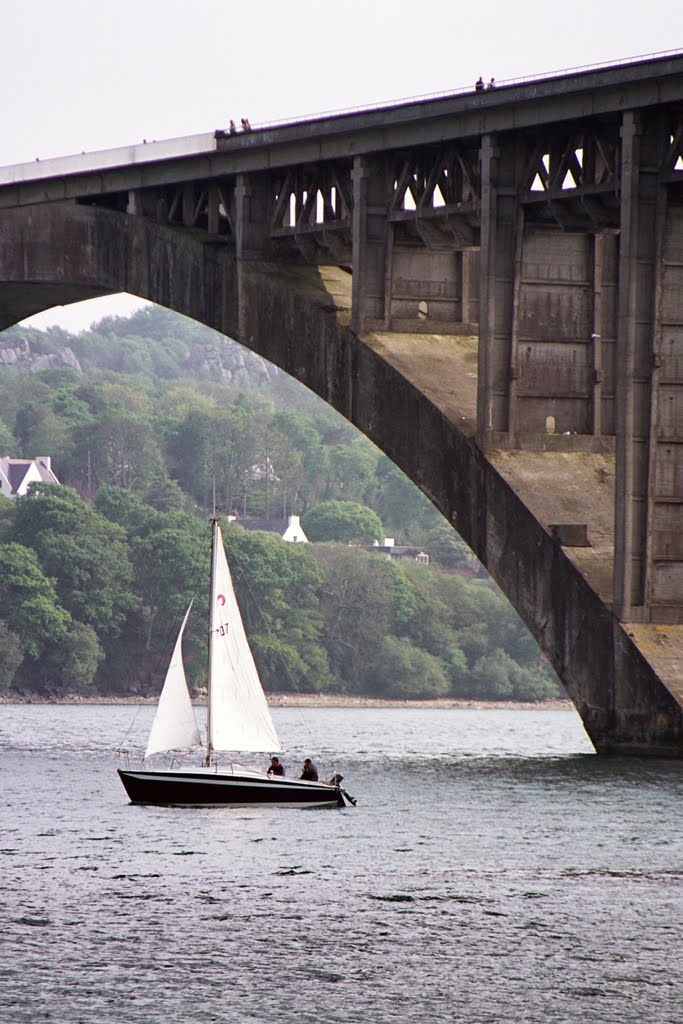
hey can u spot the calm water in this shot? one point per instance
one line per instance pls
(493, 870)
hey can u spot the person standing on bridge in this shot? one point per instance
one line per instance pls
(233, 127)
(479, 85)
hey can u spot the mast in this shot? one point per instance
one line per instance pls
(209, 665)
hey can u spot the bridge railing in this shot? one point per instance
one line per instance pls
(464, 90)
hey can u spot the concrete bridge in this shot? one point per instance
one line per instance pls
(488, 285)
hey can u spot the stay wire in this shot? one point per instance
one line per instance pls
(164, 646)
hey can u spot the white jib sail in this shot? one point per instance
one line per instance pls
(239, 715)
(174, 724)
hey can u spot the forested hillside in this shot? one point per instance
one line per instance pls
(146, 418)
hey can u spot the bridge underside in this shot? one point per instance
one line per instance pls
(415, 396)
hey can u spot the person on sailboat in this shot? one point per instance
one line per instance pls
(309, 772)
(276, 767)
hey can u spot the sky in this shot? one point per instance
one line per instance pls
(81, 76)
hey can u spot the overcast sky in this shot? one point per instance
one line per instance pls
(80, 75)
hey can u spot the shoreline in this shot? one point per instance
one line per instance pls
(316, 700)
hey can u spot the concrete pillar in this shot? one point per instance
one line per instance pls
(596, 339)
(496, 285)
(370, 242)
(251, 221)
(470, 286)
(253, 202)
(635, 355)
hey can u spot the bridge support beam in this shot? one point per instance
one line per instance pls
(499, 242)
(635, 356)
(370, 243)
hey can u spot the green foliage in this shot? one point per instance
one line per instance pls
(400, 503)
(214, 448)
(356, 605)
(28, 601)
(117, 448)
(85, 553)
(71, 665)
(404, 670)
(352, 468)
(11, 654)
(448, 550)
(277, 587)
(171, 568)
(342, 521)
(491, 676)
(8, 442)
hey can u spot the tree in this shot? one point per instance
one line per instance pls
(342, 521)
(71, 665)
(277, 588)
(28, 601)
(449, 550)
(356, 605)
(172, 567)
(85, 553)
(39, 429)
(404, 671)
(352, 468)
(491, 676)
(7, 439)
(534, 682)
(118, 448)
(11, 654)
(402, 506)
(213, 446)
(127, 510)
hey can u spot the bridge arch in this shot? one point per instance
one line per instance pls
(414, 396)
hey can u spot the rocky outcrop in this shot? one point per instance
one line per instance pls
(22, 356)
(230, 363)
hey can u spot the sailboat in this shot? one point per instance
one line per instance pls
(238, 720)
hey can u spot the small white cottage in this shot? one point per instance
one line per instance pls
(17, 474)
(289, 529)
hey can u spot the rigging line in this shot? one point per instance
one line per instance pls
(164, 645)
(234, 560)
(129, 729)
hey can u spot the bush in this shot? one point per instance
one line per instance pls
(406, 672)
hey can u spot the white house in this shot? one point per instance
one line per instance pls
(17, 474)
(289, 529)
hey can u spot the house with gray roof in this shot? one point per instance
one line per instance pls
(17, 474)
(288, 529)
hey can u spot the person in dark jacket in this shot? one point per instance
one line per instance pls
(309, 771)
(276, 767)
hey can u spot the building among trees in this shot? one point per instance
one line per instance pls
(390, 549)
(17, 474)
(288, 529)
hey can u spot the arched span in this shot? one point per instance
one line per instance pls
(413, 396)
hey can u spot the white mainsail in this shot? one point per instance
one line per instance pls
(174, 724)
(238, 718)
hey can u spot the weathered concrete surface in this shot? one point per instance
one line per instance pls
(569, 487)
(414, 396)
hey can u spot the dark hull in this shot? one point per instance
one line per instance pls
(211, 788)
